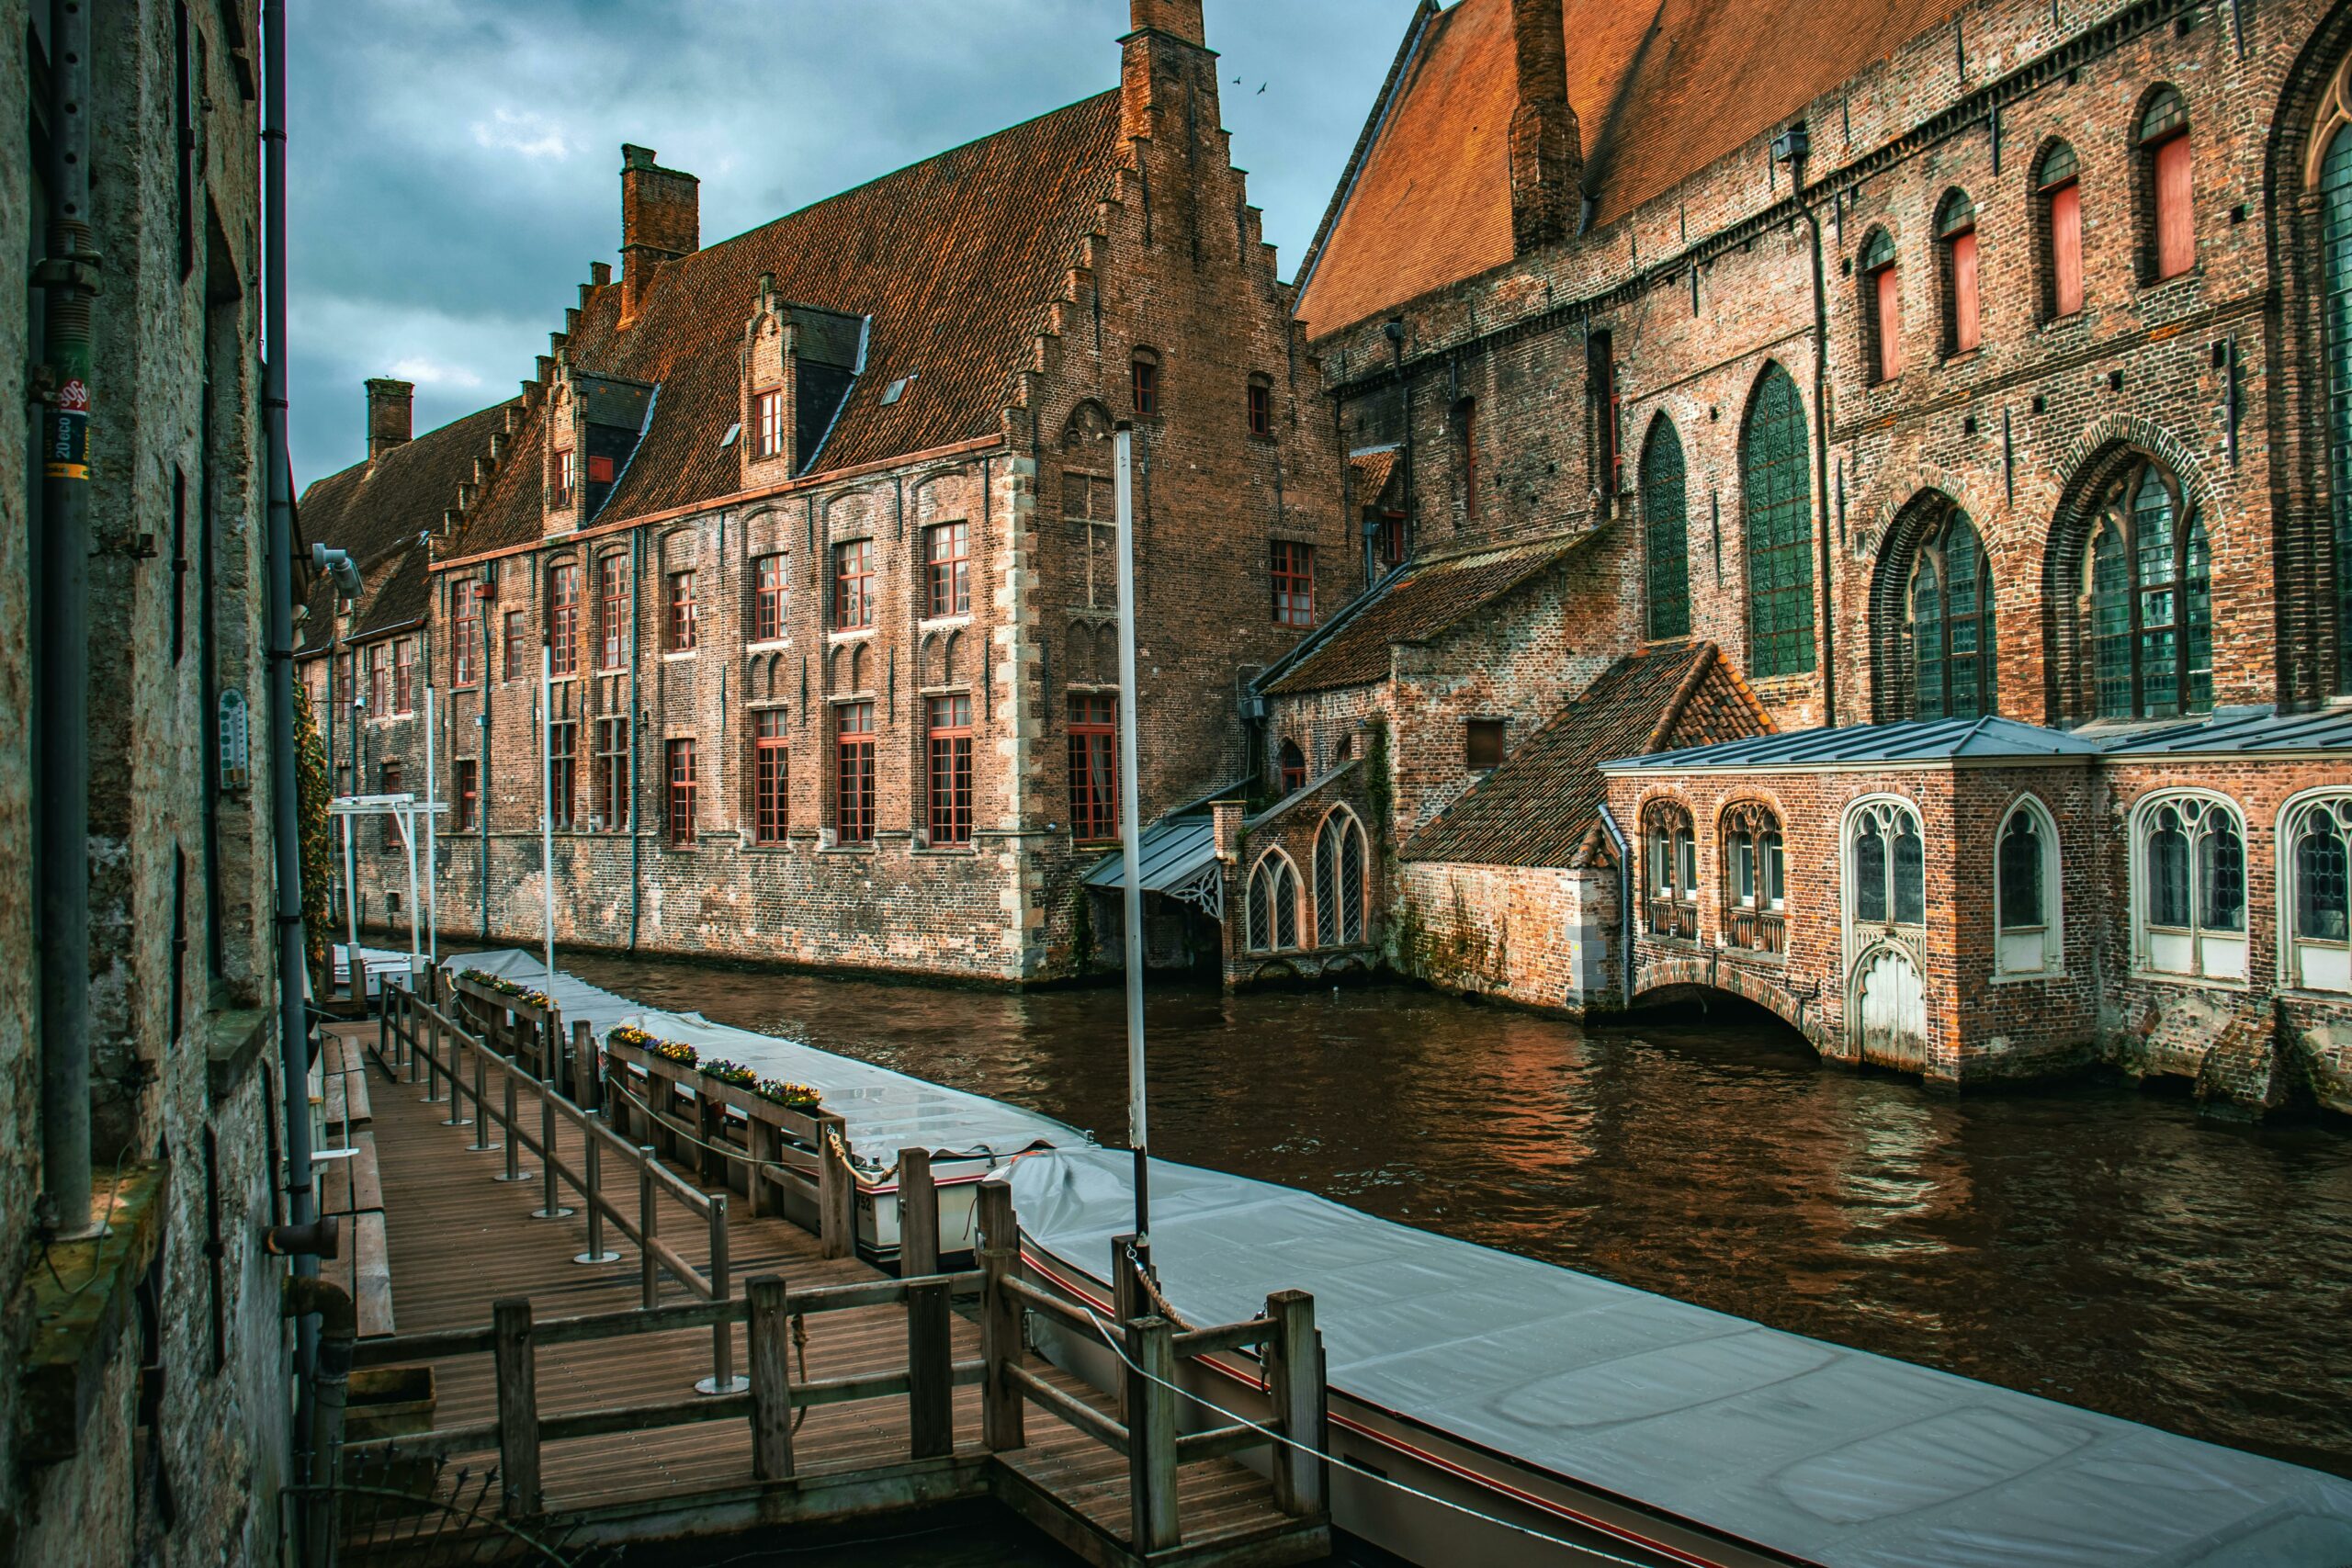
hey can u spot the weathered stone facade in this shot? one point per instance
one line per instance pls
(143, 1415)
(977, 364)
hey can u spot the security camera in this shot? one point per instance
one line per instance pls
(337, 565)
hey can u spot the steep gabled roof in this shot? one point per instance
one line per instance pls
(374, 508)
(1419, 601)
(1540, 805)
(1661, 89)
(954, 260)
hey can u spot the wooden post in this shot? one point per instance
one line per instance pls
(1151, 1434)
(999, 1253)
(766, 1140)
(723, 1379)
(930, 1416)
(836, 1191)
(771, 1378)
(518, 1406)
(710, 1116)
(645, 1158)
(1129, 1302)
(584, 1067)
(1294, 1365)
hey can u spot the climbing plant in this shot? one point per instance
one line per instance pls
(313, 793)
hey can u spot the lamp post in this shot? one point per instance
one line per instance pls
(1130, 831)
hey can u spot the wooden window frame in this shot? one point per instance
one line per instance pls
(948, 570)
(515, 638)
(1881, 273)
(404, 675)
(1258, 408)
(567, 480)
(563, 775)
(1292, 574)
(1145, 391)
(1755, 890)
(853, 608)
(768, 597)
(678, 756)
(767, 422)
(1956, 262)
(609, 803)
(465, 632)
(1093, 728)
(1290, 768)
(612, 610)
(853, 782)
(2169, 233)
(771, 776)
(948, 776)
(684, 621)
(2058, 214)
(563, 619)
(465, 793)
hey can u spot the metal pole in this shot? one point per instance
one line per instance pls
(407, 816)
(1130, 829)
(547, 797)
(70, 277)
(350, 878)
(286, 817)
(432, 864)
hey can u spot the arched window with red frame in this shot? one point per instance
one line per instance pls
(2058, 194)
(1290, 767)
(1882, 307)
(1956, 248)
(2169, 231)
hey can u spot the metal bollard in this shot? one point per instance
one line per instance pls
(645, 1223)
(592, 1157)
(551, 1200)
(514, 1171)
(723, 1379)
(481, 1143)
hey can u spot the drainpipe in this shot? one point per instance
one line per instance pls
(1625, 896)
(481, 769)
(307, 1299)
(61, 745)
(1793, 145)
(286, 825)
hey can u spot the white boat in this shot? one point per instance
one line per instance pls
(1487, 1408)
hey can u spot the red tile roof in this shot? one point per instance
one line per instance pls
(1542, 804)
(1660, 92)
(1419, 602)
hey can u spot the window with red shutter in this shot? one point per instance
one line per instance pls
(1956, 233)
(2163, 148)
(1886, 294)
(2062, 215)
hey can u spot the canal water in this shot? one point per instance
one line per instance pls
(2089, 1241)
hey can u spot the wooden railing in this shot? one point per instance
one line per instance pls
(1673, 918)
(1759, 931)
(419, 1035)
(1149, 1347)
(736, 1138)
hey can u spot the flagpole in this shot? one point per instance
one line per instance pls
(546, 799)
(1130, 831)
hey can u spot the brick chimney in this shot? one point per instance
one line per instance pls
(387, 414)
(661, 220)
(1165, 57)
(1546, 149)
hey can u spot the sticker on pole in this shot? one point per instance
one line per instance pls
(66, 455)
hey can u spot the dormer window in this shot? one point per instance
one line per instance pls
(767, 418)
(567, 475)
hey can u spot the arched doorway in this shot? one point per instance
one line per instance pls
(1890, 1011)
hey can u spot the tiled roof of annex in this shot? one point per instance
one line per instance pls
(1659, 92)
(956, 260)
(1418, 601)
(1542, 804)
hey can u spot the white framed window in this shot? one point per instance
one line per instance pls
(1755, 868)
(2315, 891)
(1274, 904)
(2188, 887)
(2027, 901)
(1887, 864)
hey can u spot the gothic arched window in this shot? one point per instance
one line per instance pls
(1886, 866)
(1776, 475)
(1274, 904)
(2149, 577)
(1956, 256)
(1755, 878)
(2026, 891)
(2188, 862)
(2335, 220)
(1670, 871)
(2315, 856)
(1666, 532)
(1949, 623)
(1339, 881)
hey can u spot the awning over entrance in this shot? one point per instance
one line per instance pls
(1177, 857)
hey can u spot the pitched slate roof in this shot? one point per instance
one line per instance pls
(955, 259)
(1542, 803)
(1866, 745)
(1417, 603)
(1660, 90)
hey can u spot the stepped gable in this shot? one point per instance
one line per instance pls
(955, 259)
(510, 510)
(1422, 600)
(1659, 91)
(1543, 803)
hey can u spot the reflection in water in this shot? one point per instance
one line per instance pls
(2086, 1242)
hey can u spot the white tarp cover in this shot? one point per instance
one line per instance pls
(884, 1111)
(1830, 1455)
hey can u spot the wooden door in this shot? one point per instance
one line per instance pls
(1890, 1010)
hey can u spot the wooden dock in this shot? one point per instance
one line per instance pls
(599, 1413)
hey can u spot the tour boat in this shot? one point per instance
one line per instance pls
(1489, 1408)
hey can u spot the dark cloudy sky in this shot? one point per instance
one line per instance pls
(455, 167)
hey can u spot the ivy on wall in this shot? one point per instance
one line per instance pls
(313, 793)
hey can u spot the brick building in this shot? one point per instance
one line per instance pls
(144, 1391)
(813, 525)
(1932, 362)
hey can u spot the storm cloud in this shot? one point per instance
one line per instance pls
(454, 168)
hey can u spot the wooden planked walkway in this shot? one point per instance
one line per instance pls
(458, 1240)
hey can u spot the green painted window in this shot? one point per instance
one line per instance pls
(2151, 629)
(1952, 623)
(1776, 474)
(2335, 196)
(1666, 532)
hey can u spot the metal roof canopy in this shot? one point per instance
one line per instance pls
(2228, 733)
(1825, 1454)
(1911, 740)
(1175, 857)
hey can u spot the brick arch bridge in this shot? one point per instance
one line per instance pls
(1799, 1011)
